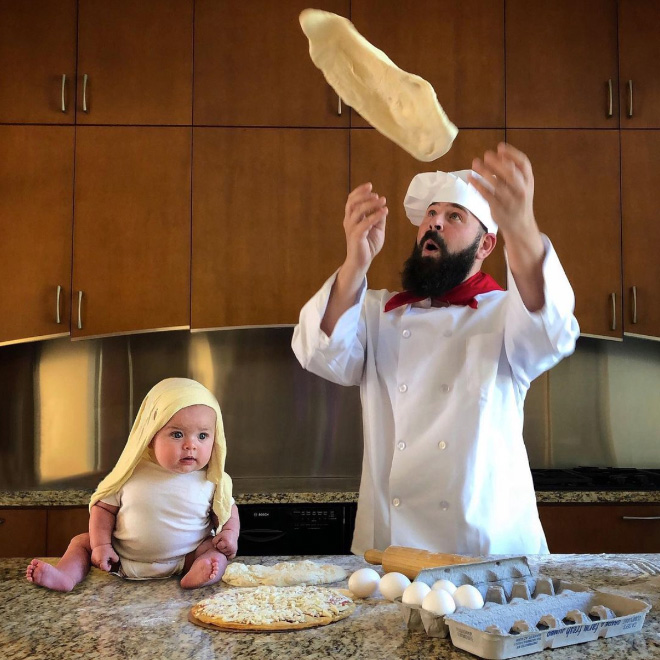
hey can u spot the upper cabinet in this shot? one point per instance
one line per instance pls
(131, 246)
(38, 61)
(135, 62)
(640, 176)
(252, 66)
(457, 45)
(36, 208)
(267, 229)
(577, 204)
(639, 51)
(561, 64)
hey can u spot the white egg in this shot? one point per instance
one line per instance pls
(364, 582)
(438, 601)
(468, 596)
(414, 594)
(392, 585)
(444, 584)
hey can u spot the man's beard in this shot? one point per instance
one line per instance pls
(431, 276)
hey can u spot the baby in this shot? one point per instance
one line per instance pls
(153, 515)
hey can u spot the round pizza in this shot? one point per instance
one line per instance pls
(267, 608)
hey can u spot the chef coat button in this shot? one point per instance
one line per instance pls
(403, 388)
(401, 445)
(445, 388)
(396, 501)
(447, 333)
(406, 333)
(444, 505)
(442, 444)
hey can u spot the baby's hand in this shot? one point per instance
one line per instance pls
(103, 556)
(226, 542)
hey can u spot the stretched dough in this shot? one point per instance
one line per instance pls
(401, 105)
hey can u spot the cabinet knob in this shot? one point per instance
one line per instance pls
(80, 296)
(84, 94)
(634, 304)
(613, 298)
(630, 98)
(57, 304)
(610, 100)
(63, 95)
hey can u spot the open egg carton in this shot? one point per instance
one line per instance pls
(522, 613)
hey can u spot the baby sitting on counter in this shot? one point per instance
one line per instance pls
(153, 515)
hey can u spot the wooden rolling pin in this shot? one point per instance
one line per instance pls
(410, 561)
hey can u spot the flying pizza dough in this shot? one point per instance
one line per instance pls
(400, 105)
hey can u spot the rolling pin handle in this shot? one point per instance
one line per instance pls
(373, 556)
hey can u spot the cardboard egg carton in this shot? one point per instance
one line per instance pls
(523, 613)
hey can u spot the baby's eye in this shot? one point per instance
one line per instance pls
(203, 436)
(177, 434)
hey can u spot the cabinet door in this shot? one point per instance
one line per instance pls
(390, 170)
(38, 61)
(639, 52)
(36, 213)
(252, 66)
(640, 176)
(268, 206)
(137, 57)
(457, 45)
(596, 528)
(561, 64)
(576, 203)
(22, 532)
(63, 525)
(131, 255)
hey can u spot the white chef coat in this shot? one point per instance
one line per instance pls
(442, 389)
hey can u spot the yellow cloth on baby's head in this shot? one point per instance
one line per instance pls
(162, 402)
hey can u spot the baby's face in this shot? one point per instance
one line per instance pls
(185, 443)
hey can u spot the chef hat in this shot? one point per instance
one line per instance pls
(429, 187)
(162, 402)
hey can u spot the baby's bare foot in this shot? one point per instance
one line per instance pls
(204, 571)
(45, 575)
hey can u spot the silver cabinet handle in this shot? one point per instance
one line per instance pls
(85, 93)
(339, 106)
(57, 305)
(640, 517)
(610, 100)
(63, 95)
(634, 309)
(613, 297)
(630, 98)
(80, 295)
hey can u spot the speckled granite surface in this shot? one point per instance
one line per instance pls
(108, 618)
(81, 497)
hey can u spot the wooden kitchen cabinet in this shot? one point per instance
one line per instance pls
(252, 66)
(137, 57)
(22, 532)
(36, 209)
(131, 255)
(268, 206)
(38, 61)
(577, 204)
(596, 528)
(457, 45)
(640, 177)
(639, 52)
(561, 64)
(378, 160)
(63, 525)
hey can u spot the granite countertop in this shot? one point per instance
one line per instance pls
(71, 497)
(106, 617)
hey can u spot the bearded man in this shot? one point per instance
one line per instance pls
(444, 366)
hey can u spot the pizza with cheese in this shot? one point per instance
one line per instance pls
(283, 574)
(267, 608)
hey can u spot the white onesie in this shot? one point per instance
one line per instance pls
(162, 517)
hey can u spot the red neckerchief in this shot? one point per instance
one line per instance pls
(463, 294)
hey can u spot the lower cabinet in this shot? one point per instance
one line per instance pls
(42, 532)
(596, 528)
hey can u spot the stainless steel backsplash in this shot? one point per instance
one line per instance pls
(66, 408)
